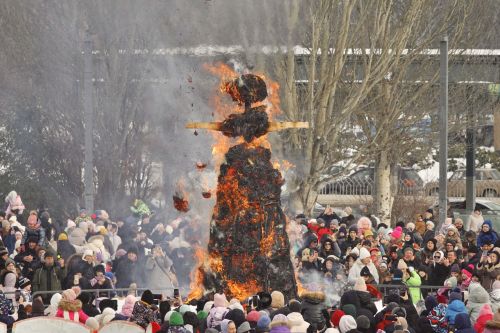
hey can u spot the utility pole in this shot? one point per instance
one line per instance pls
(443, 131)
(88, 118)
(470, 154)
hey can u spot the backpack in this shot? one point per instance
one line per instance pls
(6, 306)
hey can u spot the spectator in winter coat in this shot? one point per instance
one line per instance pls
(360, 298)
(364, 260)
(440, 269)
(126, 269)
(312, 308)
(218, 311)
(159, 273)
(405, 302)
(485, 315)
(475, 221)
(48, 277)
(64, 248)
(478, 296)
(70, 308)
(34, 230)
(463, 324)
(488, 269)
(455, 307)
(487, 234)
(413, 281)
(144, 312)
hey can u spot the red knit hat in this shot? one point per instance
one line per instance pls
(155, 327)
(335, 317)
(253, 316)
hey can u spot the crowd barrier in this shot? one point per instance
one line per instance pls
(98, 292)
(59, 325)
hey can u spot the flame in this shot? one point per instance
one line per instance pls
(196, 275)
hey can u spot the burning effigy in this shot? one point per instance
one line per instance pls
(248, 249)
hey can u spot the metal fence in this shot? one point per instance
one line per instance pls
(456, 189)
(98, 293)
(354, 186)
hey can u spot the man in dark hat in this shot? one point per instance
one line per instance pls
(49, 276)
(126, 270)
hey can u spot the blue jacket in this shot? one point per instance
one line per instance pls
(490, 236)
(454, 308)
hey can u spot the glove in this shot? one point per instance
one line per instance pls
(411, 269)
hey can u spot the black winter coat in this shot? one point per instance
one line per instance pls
(312, 307)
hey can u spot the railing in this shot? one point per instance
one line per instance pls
(98, 292)
(349, 186)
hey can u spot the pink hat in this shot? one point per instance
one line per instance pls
(220, 300)
(69, 295)
(397, 232)
(253, 316)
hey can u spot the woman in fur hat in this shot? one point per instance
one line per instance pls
(488, 269)
(70, 308)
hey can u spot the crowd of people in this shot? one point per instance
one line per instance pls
(355, 274)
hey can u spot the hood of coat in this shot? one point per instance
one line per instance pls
(71, 306)
(477, 293)
(314, 297)
(462, 321)
(457, 306)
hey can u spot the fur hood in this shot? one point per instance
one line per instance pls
(278, 323)
(493, 324)
(314, 296)
(71, 306)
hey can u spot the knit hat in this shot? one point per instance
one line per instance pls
(364, 253)
(496, 285)
(347, 323)
(297, 323)
(24, 282)
(202, 315)
(253, 316)
(451, 282)
(335, 317)
(455, 268)
(147, 297)
(263, 322)
(237, 316)
(168, 315)
(363, 322)
(9, 261)
(410, 226)
(402, 265)
(278, 299)
(220, 300)
(399, 312)
(455, 295)
(62, 237)
(244, 327)
(365, 271)
(350, 309)
(176, 319)
(467, 272)
(69, 295)
(397, 232)
(3, 251)
(368, 233)
(92, 323)
(360, 284)
(184, 308)
(430, 302)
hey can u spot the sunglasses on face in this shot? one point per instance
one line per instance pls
(437, 257)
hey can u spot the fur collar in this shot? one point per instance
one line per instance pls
(71, 306)
(493, 324)
(314, 296)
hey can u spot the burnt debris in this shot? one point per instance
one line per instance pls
(247, 89)
(250, 124)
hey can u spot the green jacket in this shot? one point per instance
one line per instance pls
(44, 274)
(413, 283)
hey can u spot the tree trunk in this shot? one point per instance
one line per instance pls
(383, 195)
